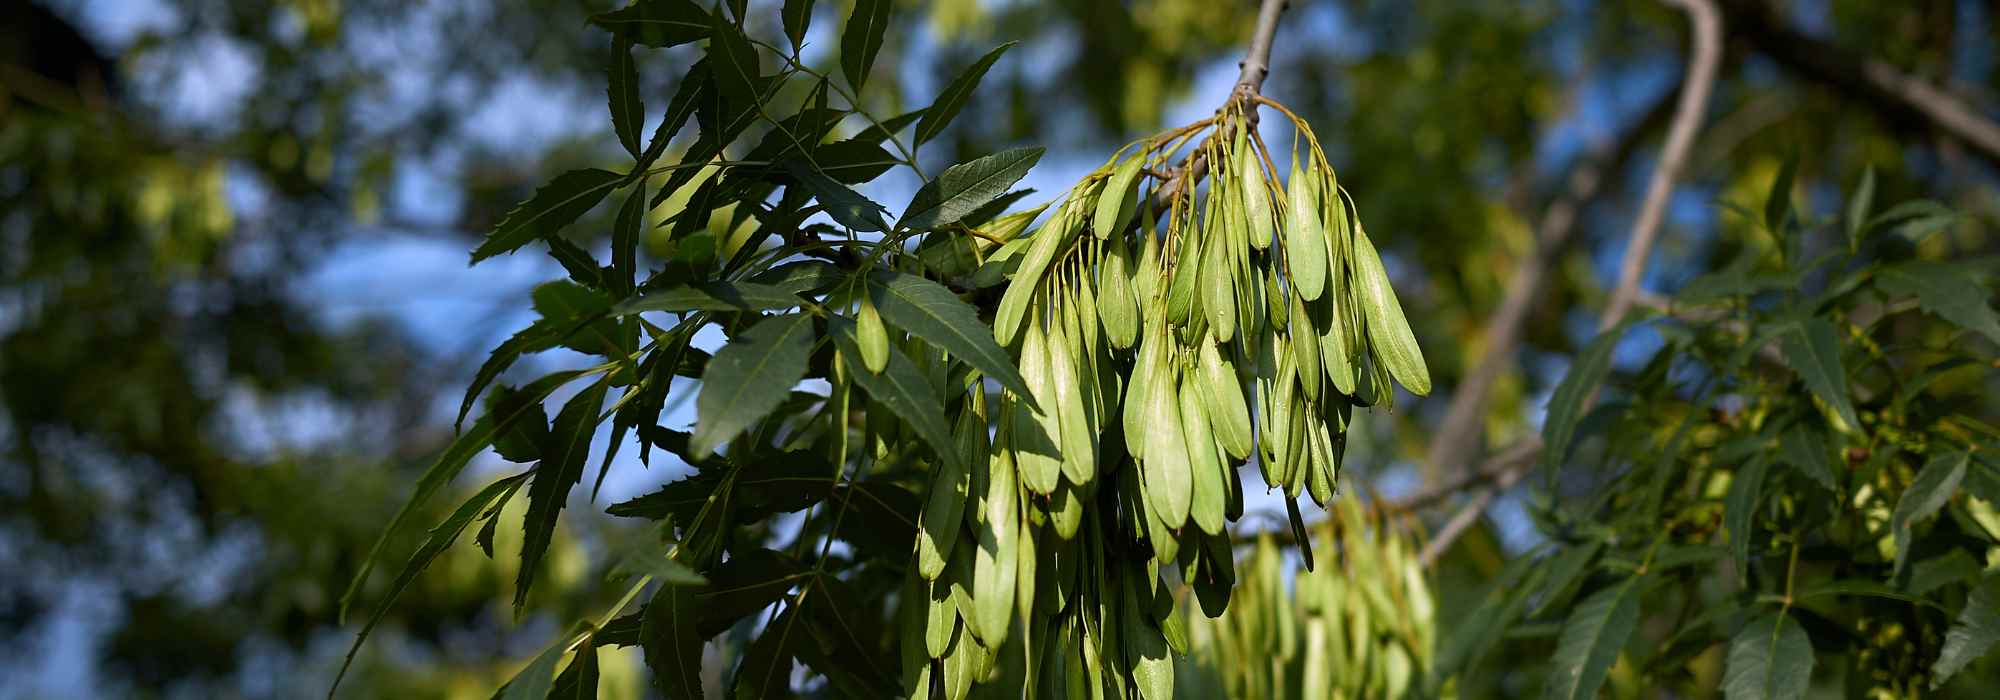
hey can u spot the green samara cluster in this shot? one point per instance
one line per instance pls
(1167, 334)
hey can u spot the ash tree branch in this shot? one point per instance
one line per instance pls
(1705, 54)
(1255, 66)
(1904, 100)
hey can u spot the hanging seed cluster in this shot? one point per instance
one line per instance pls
(1362, 628)
(1162, 349)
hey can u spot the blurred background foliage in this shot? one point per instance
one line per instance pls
(228, 336)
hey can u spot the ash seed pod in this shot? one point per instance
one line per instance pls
(872, 337)
(1305, 245)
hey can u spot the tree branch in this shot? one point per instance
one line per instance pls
(1704, 55)
(1905, 99)
(1255, 66)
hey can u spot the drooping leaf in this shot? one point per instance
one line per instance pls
(441, 538)
(553, 206)
(734, 61)
(449, 464)
(1591, 640)
(797, 15)
(656, 23)
(563, 457)
(535, 681)
(579, 680)
(862, 39)
(1746, 494)
(929, 311)
(1933, 486)
(901, 388)
(1770, 658)
(1973, 633)
(1812, 348)
(711, 296)
(955, 95)
(668, 633)
(964, 188)
(1859, 205)
(1952, 292)
(844, 205)
(1566, 405)
(628, 112)
(749, 377)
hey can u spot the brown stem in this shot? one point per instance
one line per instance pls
(1256, 65)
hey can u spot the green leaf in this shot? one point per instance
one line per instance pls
(1770, 658)
(441, 538)
(734, 61)
(1778, 204)
(650, 559)
(1973, 634)
(1591, 640)
(449, 464)
(955, 95)
(1565, 570)
(628, 112)
(692, 91)
(1952, 292)
(668, 634)
(1806, 450)
(563, 457)
(766, 670)
(1746, 493)
(901, 388)
(553, 206)
(862, 39)
(1933, 486)
(625, 241)
(929, 311)
(1812, 348)
(965, 187)
(846, 206)
(711, 296)
(535, 681)
(656, 23)
(1858, 206)
(797, 15)
(579, 680)
(749, 377)
(1566, 404)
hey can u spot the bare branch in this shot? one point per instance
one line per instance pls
(1704, 56)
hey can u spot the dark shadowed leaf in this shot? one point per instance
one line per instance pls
(535, 681)
(1566, 405)
(656, 23)
(563, 457)
(1805, 448)
(1739, 508)
(749, 377)
(1591, 640)
(1973, 633)
(966, 187)
(667, 633)
(1812, 348)
(628, 112)
(1933, 486)
(711, 296)
(1955, 293)
(844, 205)
(1770, 658)
(1859, 205)
(955, 95)
(441, 538)
(766, 669)
(734, 61)
(553, 206)
(625, 236)
(797, 15)
(862, 39)
(579, 680)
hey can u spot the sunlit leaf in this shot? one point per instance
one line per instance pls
(966, 187)
(749, 377)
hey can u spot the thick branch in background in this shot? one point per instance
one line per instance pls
(1457, 437)
(1905, 100)
(1705, 54)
